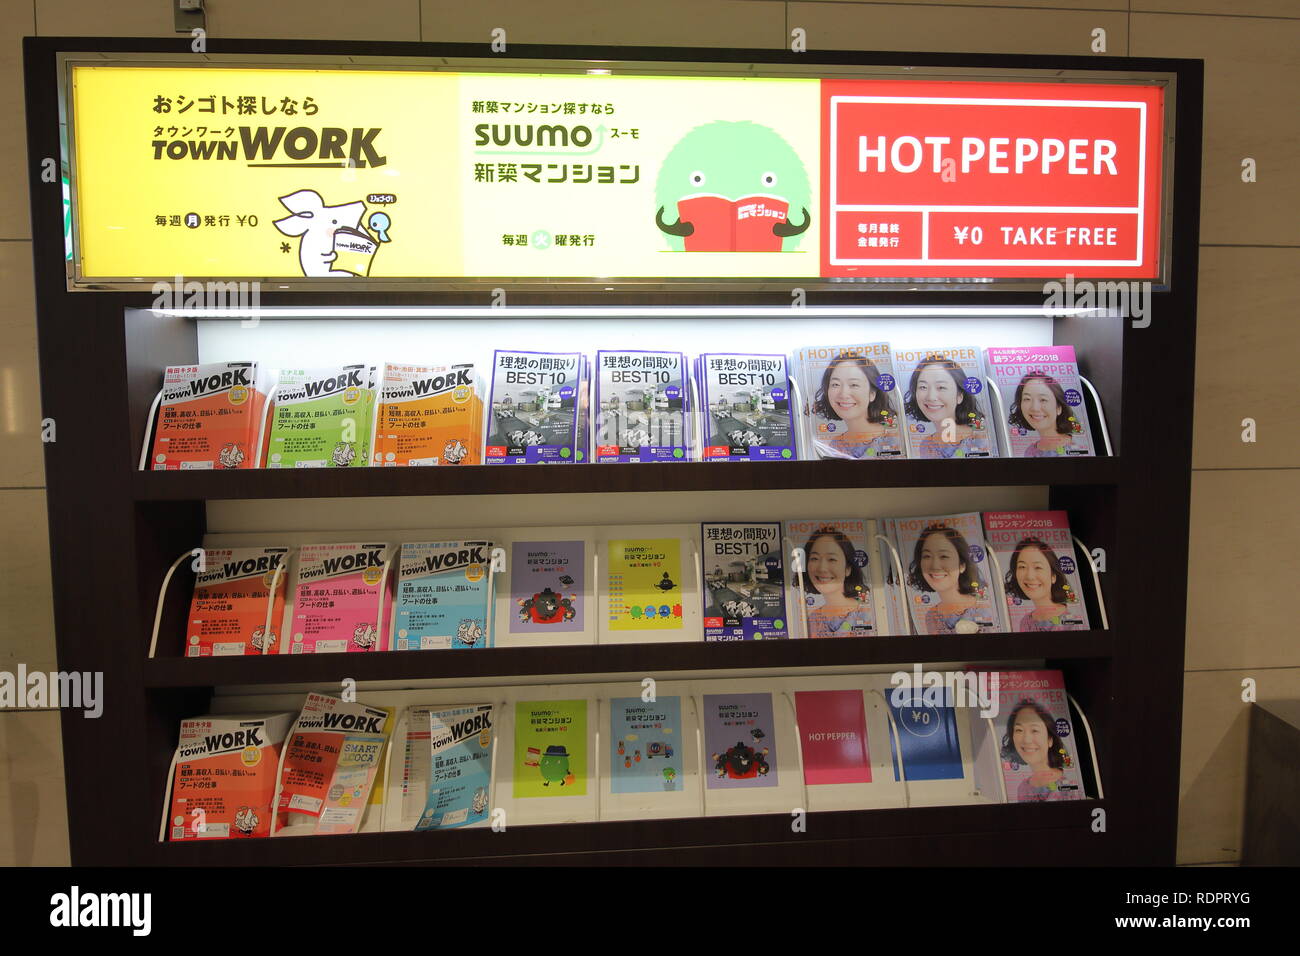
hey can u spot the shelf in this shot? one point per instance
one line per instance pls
(596, 479)
(639, 659)
(971, 835)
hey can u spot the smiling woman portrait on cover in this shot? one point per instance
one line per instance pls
(856, 412)
(941, 405)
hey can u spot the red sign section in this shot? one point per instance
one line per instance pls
(971, 180)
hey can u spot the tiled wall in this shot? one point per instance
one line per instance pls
(1245, 510)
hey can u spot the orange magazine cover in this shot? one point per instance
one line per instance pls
(223, 776)
(228, 614)
(429, 415)
(210, 417)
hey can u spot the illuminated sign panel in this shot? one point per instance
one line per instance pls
(388, 174)
(990, 179)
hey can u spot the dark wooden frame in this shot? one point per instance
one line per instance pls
(114, 531)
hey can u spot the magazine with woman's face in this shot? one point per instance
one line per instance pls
(945, 404)
(1040, 761)
(850, 400)
(1042, 399)
(833, 581)
(946, 574)
(1040, 570)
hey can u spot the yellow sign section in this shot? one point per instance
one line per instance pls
(249, 173)
(265, 173)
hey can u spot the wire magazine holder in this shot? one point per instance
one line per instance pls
(201, 553)
(1004, 426)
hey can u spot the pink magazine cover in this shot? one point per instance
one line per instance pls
(1040, 570)
(1037, 747)
(946, 574)
(337, 600)
(1042, 401)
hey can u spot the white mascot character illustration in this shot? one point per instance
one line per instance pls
(316, 224)
(454, 452)
(343, 454)
(469, 632)
(231, 455)
(246, 821)
(365, 636)
(261, 640)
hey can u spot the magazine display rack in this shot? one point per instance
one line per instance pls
(102, 352)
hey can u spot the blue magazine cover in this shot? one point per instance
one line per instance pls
(929, 738)
(645, 742)
(460, 772)
(442, 592)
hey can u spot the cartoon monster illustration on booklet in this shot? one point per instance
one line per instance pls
(550, 758)
(547, 587)
(738, 736)
(645, 744)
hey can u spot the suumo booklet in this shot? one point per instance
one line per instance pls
(442, 595)
(228, 612)
(746, 407)
(1040, 569)
(322, 418)
(548, 587)
(947, 574)
(550, 758)
(536, 404)
(643, 581)
(342, 599)
(744, 594)
(645, 745)
(945, 404)
(851, 400)
(460, 769)
(223, 776)
(210, 416)
(835, 582)
(1039, 759)
(332, 755)
(429, 415)
(740, 739)
(642, 404)
(1042, 398)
